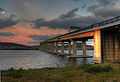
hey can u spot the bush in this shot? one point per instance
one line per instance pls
(96, 69)
(84, 66)
(14, 73)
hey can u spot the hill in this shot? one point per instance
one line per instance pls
(15, 46)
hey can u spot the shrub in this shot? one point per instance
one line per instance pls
(107, 68)
(96, 69)
(14, 73)
(84, 66)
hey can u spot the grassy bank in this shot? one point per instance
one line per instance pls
(82, 73)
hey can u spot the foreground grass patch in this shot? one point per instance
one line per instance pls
(95, 69)
(82, 73)
(13, 73)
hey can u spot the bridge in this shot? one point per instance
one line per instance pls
(106, 37)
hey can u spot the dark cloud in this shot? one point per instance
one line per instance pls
(6, 34)
(7, 22)
(107, 12)
(105, 2)
(70, 14)
(65, 21)
(104, 8)
(92, 8)
(76, 0)
(84, 6)
(100, 4)
(39, 37)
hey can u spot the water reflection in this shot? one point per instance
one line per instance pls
(30, 59)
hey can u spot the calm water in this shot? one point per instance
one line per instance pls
(30, 59)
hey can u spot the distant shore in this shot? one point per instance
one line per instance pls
(14, 46)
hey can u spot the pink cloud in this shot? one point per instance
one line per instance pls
(22, 33)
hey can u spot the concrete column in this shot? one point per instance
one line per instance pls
(49, 47)
(84, 47)
(97, 46)
(117, 47)
(62, 47)
(56, 47)
(52, 47)
(69, 47)
(74, 47)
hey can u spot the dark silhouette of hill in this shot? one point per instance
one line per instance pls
(15, 46)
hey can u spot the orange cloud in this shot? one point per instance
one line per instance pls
(22, 33)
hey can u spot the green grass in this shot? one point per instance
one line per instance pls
(82, 73)
(13, 73)
(95, 69)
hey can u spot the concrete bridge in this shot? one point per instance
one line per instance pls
(106, 37)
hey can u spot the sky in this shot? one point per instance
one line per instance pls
(30, 21)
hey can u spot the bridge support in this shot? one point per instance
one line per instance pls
(52, 45)
(62, 47)
(69, 47)
(56, 47)
(84, 47)
(97, 46)
(74, 47)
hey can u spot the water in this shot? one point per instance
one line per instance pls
(33, 59)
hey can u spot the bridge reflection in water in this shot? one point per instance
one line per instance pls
(106, 37)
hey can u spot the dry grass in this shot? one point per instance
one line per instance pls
(66, 74)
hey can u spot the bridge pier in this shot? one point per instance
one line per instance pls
(62, 47)
(84, 47)
(97, 46)
(56, 47)
(74, 47)
(52, 47)
(69, 47)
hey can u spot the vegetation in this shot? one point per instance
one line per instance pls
(82, 73)
(95, 69)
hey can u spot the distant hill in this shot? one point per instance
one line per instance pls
(15, 46)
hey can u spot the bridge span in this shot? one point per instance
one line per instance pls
(106, 37)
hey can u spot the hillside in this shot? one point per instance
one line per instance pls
(14, 46)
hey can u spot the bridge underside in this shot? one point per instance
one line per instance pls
(110, 44)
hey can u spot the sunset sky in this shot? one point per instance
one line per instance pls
(31, 21)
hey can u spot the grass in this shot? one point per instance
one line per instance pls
(95, 69)
(13, 73)
(82, 73)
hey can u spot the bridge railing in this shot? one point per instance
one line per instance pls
(101, 23)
